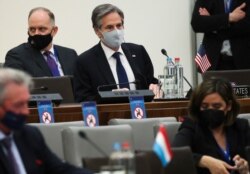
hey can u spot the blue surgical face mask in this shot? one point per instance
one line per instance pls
(13, 121)
(113, 38)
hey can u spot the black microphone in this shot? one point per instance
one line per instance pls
(43, 88)
(164, 52)
(84, 136)
(115, 84)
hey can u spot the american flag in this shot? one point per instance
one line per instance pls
(201, 59)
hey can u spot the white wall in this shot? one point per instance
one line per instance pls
(156, 24)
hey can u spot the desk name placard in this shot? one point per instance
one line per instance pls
(241, 90)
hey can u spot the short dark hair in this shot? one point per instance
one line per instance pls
(102, 10)
(214, 85)
(51, 15)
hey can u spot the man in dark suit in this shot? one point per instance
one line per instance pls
(22, 147)
(226, 28)
(101, 66)
(32, 57)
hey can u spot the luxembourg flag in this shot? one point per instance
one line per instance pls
(162, 146)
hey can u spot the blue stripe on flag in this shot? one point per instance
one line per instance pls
(159, 151)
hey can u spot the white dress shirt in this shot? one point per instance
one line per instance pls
(112, 63)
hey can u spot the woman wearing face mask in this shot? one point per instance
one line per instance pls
(215, 135)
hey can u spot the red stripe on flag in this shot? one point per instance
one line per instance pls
(166, 139)
(202, 60)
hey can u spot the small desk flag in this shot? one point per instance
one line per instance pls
(202, 60)
(162, 147)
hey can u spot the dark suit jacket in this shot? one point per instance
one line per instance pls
(202, 142)
(92, 70)
(26, 58)
(36, 156)
(216, 29)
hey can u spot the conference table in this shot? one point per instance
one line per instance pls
(159, 108)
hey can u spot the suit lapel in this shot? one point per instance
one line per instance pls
(3, 160)
(141, 81)
(103, 65)
(59, 54)
(27, 157)
(39, 60)
(221, 6)
(129, 56)
(232, 141)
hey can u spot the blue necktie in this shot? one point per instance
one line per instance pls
(52, 64)
(121, 73)
(10, 155)
(227, 5)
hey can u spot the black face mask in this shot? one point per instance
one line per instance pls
(212, 118)
(40, 41)
(13, 121)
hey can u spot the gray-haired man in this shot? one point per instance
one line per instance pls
(112, 61)
(22, 148)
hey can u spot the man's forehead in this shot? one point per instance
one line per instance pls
(13, 88)
(112, 17)
(39, 17)
(39, 14)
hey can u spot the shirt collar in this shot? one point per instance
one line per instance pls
(52, 50)
(2, 135)
(109, 52)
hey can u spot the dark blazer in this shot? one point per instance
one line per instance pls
(202, 142)
(216, 29)
(36, 156)
(92, 70)
(26, 58)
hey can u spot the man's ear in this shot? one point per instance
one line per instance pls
(54, 31)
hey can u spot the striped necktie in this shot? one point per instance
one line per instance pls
(10, 155)
(52, 64)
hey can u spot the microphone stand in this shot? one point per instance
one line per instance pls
(84, 136)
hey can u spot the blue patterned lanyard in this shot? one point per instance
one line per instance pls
(226, 154)
(227, 4)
